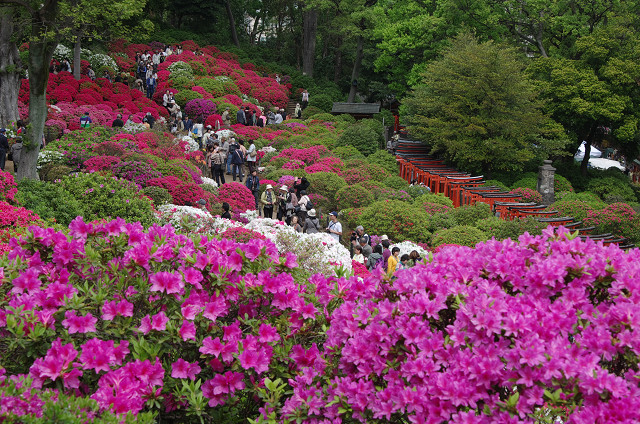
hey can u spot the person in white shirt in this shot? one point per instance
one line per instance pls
(252, 155)
(165, 98)
(335, 227)
(278, 119)
(305, 99)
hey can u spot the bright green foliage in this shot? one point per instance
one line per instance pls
(561, 184)
(48, 201)
(183, 96)
(347, 152)
(469, 215)
(355, 196)
(310, 111)
(360, 136)
(346, 118)
(478, 108)
(159, 195)
(496, 183)
(464, 235)
(52, 172)
(323, 102)
(576, 208)
(326, 184)
(399, 220)
(102, 197)
(385, 160)
(502, 229)
(396, 182)
(612, 190)
(439, 199)
(439, 221)
(417, 191)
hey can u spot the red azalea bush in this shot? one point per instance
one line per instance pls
(101, 163)
(241, 235)
(13, 221)
(238, 196)
(8, 186)
(182, 193)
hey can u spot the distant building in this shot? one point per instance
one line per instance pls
(357, 110)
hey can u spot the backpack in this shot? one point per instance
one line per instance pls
(309, 205)
(373, 262)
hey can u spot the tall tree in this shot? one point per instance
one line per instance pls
(478, 108)
(10, 67)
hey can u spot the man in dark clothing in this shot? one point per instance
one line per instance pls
(253, 184)
(188, 124)
(4, 147)
(149, 119)
(117, 123)
(240, 119)
(301, 184)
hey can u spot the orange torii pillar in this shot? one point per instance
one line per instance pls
(456, 187)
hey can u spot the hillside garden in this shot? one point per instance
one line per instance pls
(123, 301)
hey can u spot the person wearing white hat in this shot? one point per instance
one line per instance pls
(268, 199)
(282, 202)
(311, 223)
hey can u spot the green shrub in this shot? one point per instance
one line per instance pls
(396, 182)
(360, 136)
(575, 208)
(376, 126)
(210, 189)
(463, 235)
(560, 184)
(103, 197)
(48, 200)
(53, 172)
(439, 198)
(310, 111)
(384, 159)
(359, 162)
(322, 102)
(159, 195)
(439, 221)
(469, 215)
(612, 188)
(399, 220)
(586, 196)
(326, 184)
(347, 152)
(354, 196)
(502, 229)
(279, 173)
(346, 118)
(417, 191)
(386, 193)
(182, 82)
(377, 172)
(174, 170)
(184, 96)
(324, 117)
(526, 182)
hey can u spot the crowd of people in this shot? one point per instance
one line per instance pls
(380, 254)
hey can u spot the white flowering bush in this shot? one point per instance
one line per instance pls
(406, 247)
(221, 78)
(61, 52)
(134, 128)
(225, 133)
(49, 156)
(209, 181)
(184, 218)
(190, 146)
(180, 69)
(268, 149)
(250, 215)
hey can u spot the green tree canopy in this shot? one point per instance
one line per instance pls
(478, 108)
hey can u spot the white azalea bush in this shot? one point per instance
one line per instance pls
(184, 218)
(49, 156)
(209, 181)
(225, 133)
(190, 146)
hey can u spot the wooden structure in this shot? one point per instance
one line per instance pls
(357, 110)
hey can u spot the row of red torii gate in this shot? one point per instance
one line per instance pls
(416, 165)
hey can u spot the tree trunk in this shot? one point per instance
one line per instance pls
(589, 138)
(337, 69)
(10, 69)
(77, 69)
(356, 70)
(40, 53)
(310, 28)
(232, 24)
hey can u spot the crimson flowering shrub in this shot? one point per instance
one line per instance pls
(478, 349)
(8, 186)
(101, 163)
(200, 108)
(182, 192)
(617, 218)
(528, 195)
(241, 235)
(355, 175)
(239, 197)
(13, 221)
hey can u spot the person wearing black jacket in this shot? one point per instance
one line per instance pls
(301, 184)
(225, 208)
(4, 147)
(117, 123)
(253, 184)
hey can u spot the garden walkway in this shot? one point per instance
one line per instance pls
(465, 189)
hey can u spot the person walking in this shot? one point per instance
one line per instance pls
(16, 152)
(253, 184)
(252, 156)
(217, 164)
(4, 147)
(268, 200)
(240, 117)
(305, 99)
(335, 227)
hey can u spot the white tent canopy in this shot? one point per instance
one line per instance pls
(595, 153)
(601, 163)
